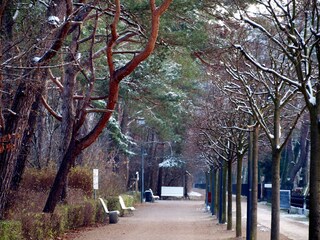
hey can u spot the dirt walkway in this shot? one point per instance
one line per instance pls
(162, 220)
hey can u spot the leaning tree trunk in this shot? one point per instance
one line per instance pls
(25, 148)
(60, 180)
(76, 145)
(15, 125)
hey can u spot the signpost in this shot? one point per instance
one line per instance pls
(95, 181)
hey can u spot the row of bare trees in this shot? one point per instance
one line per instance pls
(273, 78)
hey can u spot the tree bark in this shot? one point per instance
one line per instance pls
(275, 208)
(25, 148)
(229, 222)
(304, 132)
(224, 193)
(314, 201)
(238, 196)
(254, 200)
(60, 180)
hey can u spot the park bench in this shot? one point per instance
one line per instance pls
(155, 197)
(149, 196)
(113, 215)
(124, 207)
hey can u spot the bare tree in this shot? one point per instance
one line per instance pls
(274, 105)
(293, 28)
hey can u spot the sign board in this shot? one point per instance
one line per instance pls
(285, 199)
(95, 179)
(171, 191)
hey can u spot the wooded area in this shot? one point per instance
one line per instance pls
(168, 89)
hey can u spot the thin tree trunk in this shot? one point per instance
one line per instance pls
(213, 190)
(229, 222)
(220, 193)
(254, 201)
(224, 193)
(275, 199)
(238, 196)
(216, 191)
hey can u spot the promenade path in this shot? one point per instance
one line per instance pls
(185, 220)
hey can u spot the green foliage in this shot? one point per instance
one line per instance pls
(128, 200)
(121, 140)
(135, 196)
(50, 226)
(113, 203)
(10, 230)
(165, 85)
(100, 216)
(75, 216)
(37, 226)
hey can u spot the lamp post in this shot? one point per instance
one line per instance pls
(142, 172)
(141, 122)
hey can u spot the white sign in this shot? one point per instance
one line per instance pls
(95, 179)
(172, 191)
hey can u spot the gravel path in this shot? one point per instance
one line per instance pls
(174, 220)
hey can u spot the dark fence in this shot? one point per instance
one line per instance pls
(200, 185)
(245, 190)
(298, 201)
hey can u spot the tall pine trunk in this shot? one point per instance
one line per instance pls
(60, 180)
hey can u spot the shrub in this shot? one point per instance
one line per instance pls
(89, 213)
(81, 177)
(136, 196)
(75, 216)
(101, 216)
(10, 230)
(37, 226)
(38, 180)
(59, 220)
(128, 200)
(113, 203)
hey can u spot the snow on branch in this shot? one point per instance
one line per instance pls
(266, 69)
